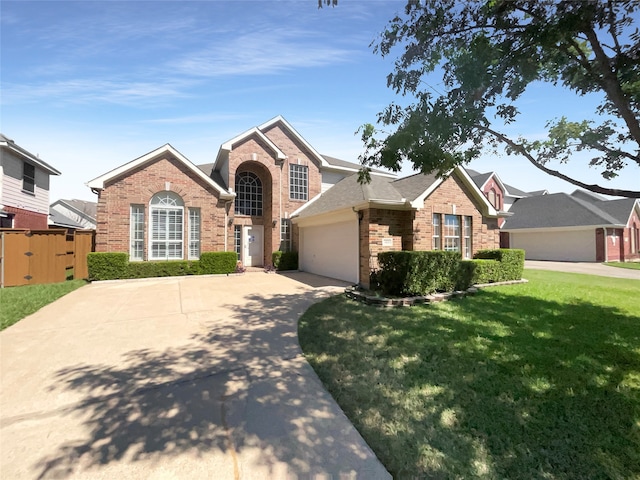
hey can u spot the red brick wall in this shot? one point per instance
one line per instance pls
(27, 219)
(492, 184)
(254, 155)
(138, 186)
(628, 243)
(485, 231)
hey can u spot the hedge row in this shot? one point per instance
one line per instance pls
(408, 273)
(111, 266)
(285, 260)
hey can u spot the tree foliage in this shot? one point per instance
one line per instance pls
(489, 52)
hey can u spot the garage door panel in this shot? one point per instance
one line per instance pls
(577, 246)
(330, 250)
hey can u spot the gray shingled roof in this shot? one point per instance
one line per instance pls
(564, 210)
(413, 186)
(215, 176)
(516, 192)
(18, 149)
(61, 220)
(90, 209)
(343, 163)
(479, 178)
(348, 193)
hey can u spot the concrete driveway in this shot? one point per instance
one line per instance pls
(584, 267)
(197, 377)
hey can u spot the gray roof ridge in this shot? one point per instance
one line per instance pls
(594, 209)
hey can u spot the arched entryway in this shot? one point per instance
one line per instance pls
(251, 223)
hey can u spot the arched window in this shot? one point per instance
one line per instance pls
(166, 240)
(248, 194)
(492, 197)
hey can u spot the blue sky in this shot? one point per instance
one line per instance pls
(91, 85)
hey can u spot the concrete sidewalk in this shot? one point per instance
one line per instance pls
(584, 267)
(197, 377)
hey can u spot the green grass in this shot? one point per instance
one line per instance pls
(531, 381)
(18, 302)
(631, 265)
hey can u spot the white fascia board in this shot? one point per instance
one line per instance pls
(336, 216)
(33, 159)
(338, 168)
(98, 182)
(499, 181)
(636, 206)
(418, 202)
(558, 229)
(490, 209)
(228, 146)
(387, 204)
(281, 119)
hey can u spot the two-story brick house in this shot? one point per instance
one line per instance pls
(24, 187)
(268, 190)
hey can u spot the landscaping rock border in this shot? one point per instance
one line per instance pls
(379, 301)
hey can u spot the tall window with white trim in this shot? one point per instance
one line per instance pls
(194, 233)
(298, 182)
(136, 233)
(248, 194)
(237, 240)
(167, 222)
(285, 234)
(467, 237)
(451, 233)
(436, 231)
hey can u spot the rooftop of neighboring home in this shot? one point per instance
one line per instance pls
(481, 178)
(6, 142)
(579, 208)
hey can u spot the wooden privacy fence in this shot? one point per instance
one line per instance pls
(28, 257)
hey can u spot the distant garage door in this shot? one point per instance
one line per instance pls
(572, 246)
(330, 250)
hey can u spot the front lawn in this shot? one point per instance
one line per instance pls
(540, 380)
(631, 265)
(18, 302)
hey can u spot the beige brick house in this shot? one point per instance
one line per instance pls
(269, 190)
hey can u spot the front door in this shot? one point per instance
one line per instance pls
(253, 245)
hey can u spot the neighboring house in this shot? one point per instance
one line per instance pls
(24, 187)
(269, 190)
(75, 214)
(580, 227)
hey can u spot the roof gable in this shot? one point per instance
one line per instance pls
(30, 157)
(99, 182)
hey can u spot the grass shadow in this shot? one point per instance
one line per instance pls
(502, 385)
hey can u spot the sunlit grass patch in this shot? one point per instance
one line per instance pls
(530, 381)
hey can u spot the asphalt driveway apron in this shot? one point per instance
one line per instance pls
(197, 377)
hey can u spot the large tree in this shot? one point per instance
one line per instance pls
(489, 52)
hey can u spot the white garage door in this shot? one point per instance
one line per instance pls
(572, 246)
(330, 250)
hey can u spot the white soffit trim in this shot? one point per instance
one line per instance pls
(313, 151)
(32, 158)
(228, 145)
(636, 206)
(336, 216)
(550, 230)
(98, 182)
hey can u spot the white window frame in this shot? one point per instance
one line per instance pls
(298, 182)
(468, 235)
(194, 233)
(249, 194)
(171, 206)
(451, 233)
(237, 240)
(285, 234)
(136, 232)
(436, 243)
(28, 181)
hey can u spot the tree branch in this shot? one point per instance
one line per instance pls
(591, 187)
(612, 88)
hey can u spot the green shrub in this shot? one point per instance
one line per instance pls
(171, 268)
(107, 265)
(465, 274)
(275, 258)
(511, 262)
(218, 262)
(486, 271)
(287, 261)
(417, 272)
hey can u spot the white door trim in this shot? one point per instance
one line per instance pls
(253, 245)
